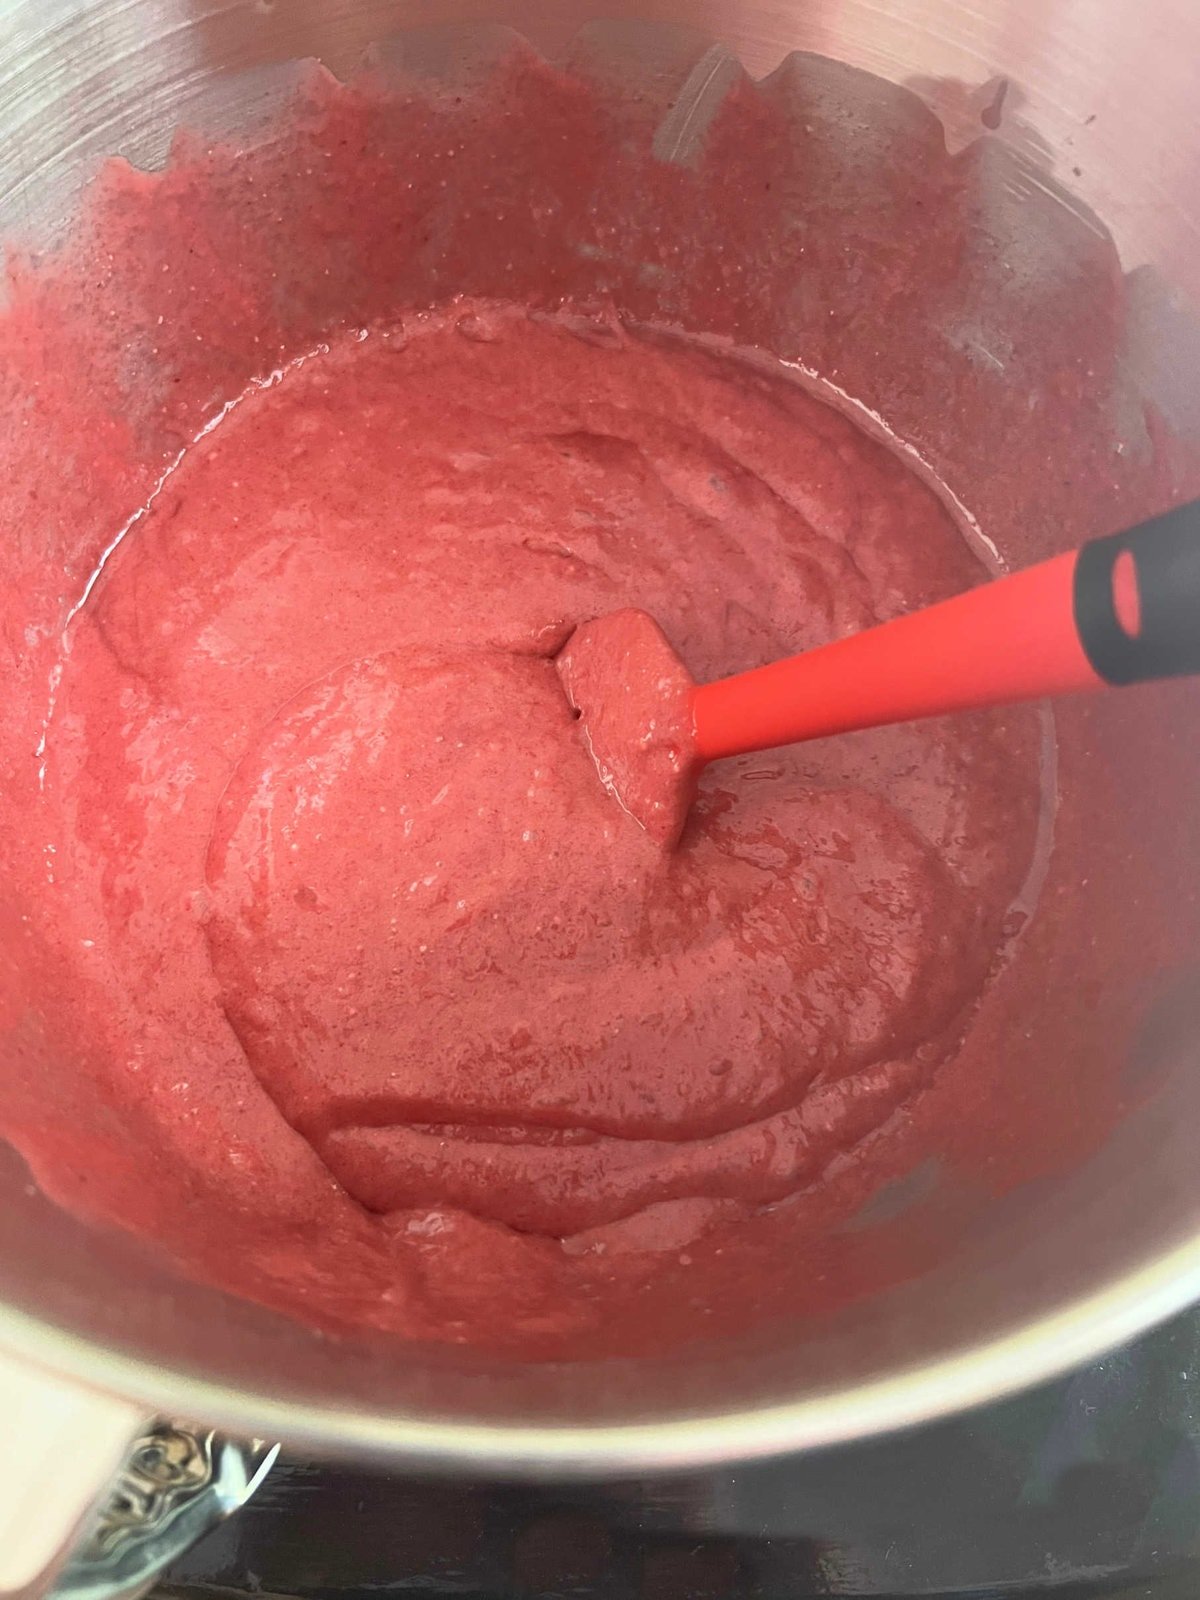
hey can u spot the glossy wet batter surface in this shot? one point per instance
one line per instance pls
(330, 817)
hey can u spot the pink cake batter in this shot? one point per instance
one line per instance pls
(327, 966)
(325, 788)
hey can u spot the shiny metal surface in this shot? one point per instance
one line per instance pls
(96, 1499)
(1102, 95)
(177, 1484)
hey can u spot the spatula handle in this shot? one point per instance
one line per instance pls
(1164, 555)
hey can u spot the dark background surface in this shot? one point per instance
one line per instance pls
(1089, 1486)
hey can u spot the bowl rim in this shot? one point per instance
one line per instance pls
(979, 1374)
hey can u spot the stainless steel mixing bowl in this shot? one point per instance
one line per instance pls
(1099, 91)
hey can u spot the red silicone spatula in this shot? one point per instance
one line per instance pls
(1117, 611)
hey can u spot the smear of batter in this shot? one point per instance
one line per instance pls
(633, 697)
(323, 790)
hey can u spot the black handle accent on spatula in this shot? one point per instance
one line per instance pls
(1166, 560)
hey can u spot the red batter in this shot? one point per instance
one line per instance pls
(395, 1035)
(325, 789)
(633, 698)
